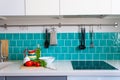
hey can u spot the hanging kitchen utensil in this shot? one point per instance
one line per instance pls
(82, 40)
(53, 37)
(46, 44)
(91, 37)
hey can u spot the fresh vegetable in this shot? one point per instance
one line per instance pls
(34, 63)
(42, 62)
(38, 51)
(37, 64)
(29, 63)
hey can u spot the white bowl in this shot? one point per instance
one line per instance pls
(48, 60)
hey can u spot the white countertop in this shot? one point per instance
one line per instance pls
(63, 68)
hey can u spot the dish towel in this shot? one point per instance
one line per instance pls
(53, 38)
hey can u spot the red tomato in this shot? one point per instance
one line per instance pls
(34, 63)
(29, 63)
(37, 64)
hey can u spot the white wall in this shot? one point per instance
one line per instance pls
(47, 20)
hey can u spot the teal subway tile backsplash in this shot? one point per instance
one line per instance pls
(16, 36)
(23, 36)
(37, 36)
(106, 46)
(8, 36)
(2, 36)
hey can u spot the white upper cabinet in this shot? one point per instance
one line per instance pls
(12, 7)
(42, 7)
(85, 7)
(116, 7)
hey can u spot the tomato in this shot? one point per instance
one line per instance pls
(34, 63)
(29, 63)
(37, 64)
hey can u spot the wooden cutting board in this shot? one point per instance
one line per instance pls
(4, 47)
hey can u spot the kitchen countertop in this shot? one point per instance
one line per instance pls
(63, 68)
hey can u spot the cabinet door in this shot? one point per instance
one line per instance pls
(85, 7)
(37, 78)
(42, 7)
(116, 7)
(93, 78)
(2, 78)
(12, 7)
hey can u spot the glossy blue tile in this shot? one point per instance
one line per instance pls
(109, 43)
(58, 35)
(81, 57)
(16, 50)
(44, 50)
(68, 43)
(10, 50)
(96, 56)
(9, 36)
(64, 36)
(16, 36)
(26, 43)
(113, 49)
(2, 36)
(116, 56)
(23, 36)
(60, 43)
(71, 35)
(21, 50)
(75, 56)
(55, 56)
(103, 57)
(68, 56)
(37, 36)
(96, 43)
(106, 36)
(92, 50)
(42, 35)
(75, 42)
(71, 49)
(87, 36)
(77, 36)
(98, 35)
(51, 50)
(103, 42)
(40, 42)
(33, 43)
(61, 57)
(109, 56)
(88, 56)
(112, 35)
(64, 49)
(87, 43)
(12, 43)
(30, 36)
(19, 42)
(106, 50)
(12, 57)
(99, 50)
(58, 50)
(86, 50)
(20, 56)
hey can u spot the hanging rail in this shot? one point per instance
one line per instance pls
(59, 25)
